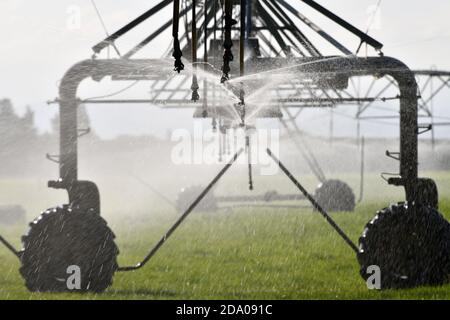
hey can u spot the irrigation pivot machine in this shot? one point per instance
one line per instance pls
(409, 241)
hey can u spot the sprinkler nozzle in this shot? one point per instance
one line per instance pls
(177, 54)
(178, 66)
(195, 96)
(194, 88)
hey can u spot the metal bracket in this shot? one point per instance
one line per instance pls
(53, 158)
(83, 132)
(392, 178)
(9, 246)
(393, 155)
(425, 127)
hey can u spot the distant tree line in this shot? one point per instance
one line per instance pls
(23, 147)
(17, 134)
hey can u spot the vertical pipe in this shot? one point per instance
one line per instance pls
(433, 137)
(242, 44)
(205, 60)
(408, 133)
(249, 23)
(68, 139)
(249, 162)
(214, 53)
(358, 132)
(362, 168)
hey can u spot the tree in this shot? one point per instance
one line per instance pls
(10, 123)
(18, 137)
(27, 124)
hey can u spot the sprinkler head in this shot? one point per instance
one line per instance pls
(177, 54)
(194, 88)
(178, 66)
(224, 78)
(196, 97)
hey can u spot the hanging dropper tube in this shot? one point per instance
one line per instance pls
(195, 86)
(228, 43)
(205, 60)
(177, 54)
(242, 60)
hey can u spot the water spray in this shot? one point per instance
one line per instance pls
(81, 216)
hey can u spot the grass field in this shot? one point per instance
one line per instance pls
(237, 254)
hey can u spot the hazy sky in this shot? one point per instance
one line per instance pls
(39, 42)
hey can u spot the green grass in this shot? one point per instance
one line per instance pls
(236, 254)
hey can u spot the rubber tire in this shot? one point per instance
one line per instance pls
(335, 195)
(187, 196)
(61, 237)
(411, 245)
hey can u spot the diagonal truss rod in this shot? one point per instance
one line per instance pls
(364, 37)
(426, 96)
(304, 41)
(150, 38)
(270, 22)
(275, 8)
(317, 206)
(116, 35)
(191, 208)
(183, 217)
(315, 27)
